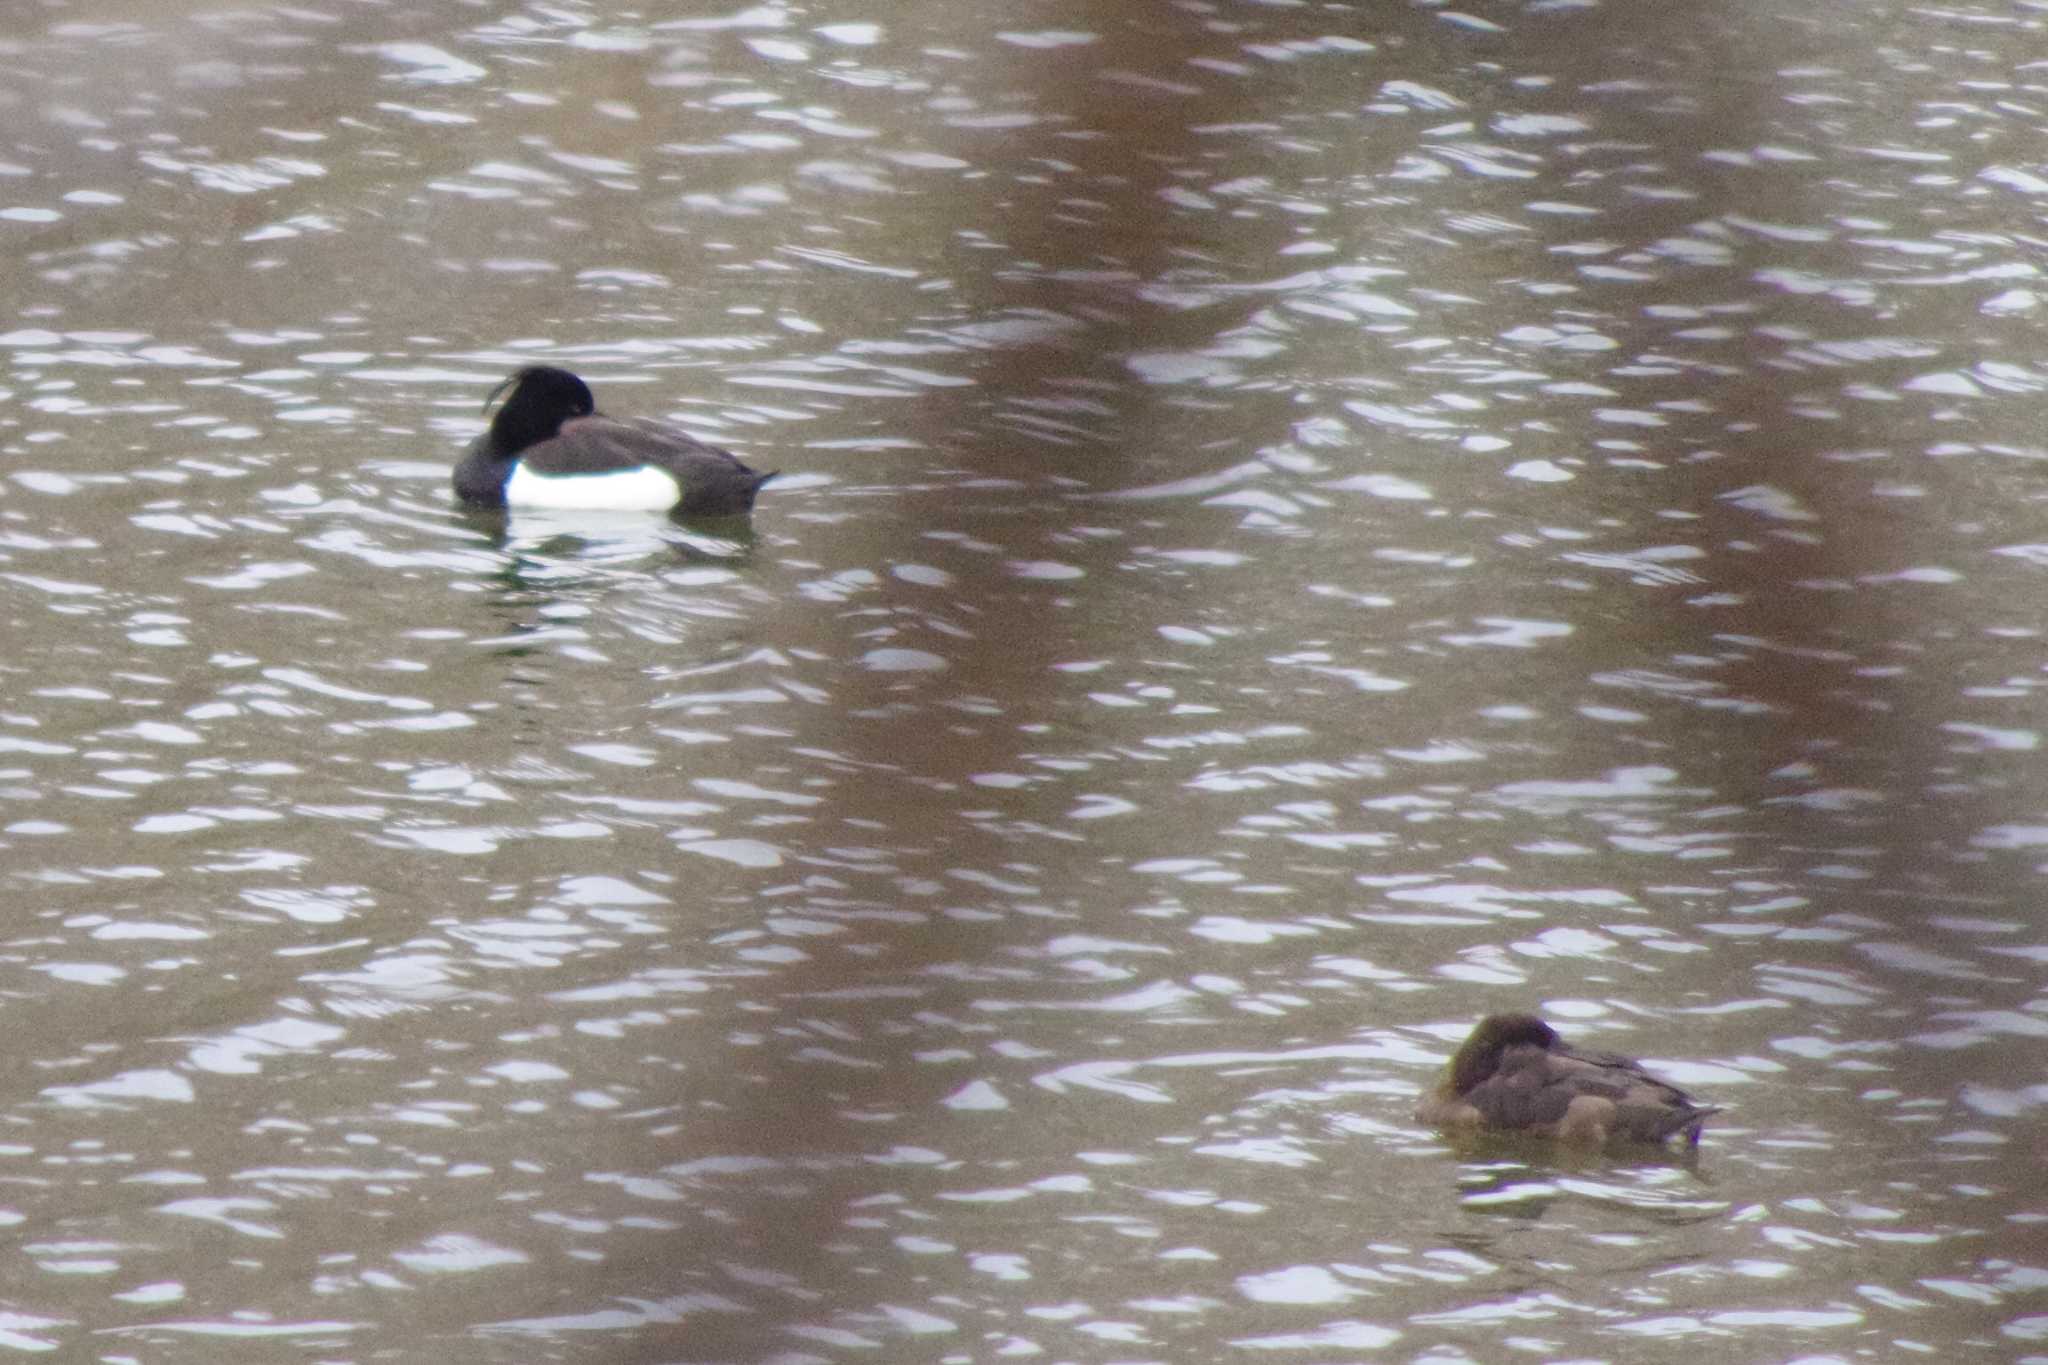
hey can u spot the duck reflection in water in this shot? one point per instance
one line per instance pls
(1516, 1075)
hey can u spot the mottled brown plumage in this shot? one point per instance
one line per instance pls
(1514, 1074)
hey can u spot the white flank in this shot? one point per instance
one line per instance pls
(641, 487)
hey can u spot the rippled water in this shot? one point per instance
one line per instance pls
(1300, 526)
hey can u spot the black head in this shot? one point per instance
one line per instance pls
(1479, 1057)
(542, 398)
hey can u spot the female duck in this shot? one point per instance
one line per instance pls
(1514, 1074)
(549, 446)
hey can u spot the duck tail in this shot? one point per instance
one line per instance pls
(1690, 1122)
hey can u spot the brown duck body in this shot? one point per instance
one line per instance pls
(1514, 1074)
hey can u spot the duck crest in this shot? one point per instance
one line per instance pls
(542, 398)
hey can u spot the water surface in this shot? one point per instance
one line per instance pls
(1300, 527)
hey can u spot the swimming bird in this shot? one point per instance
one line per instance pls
(549, 446)
(1514, 1074)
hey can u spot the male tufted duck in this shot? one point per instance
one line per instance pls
(549, 446)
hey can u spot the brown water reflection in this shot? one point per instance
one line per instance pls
(1298, 534)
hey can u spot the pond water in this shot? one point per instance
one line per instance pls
(1301, 525)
